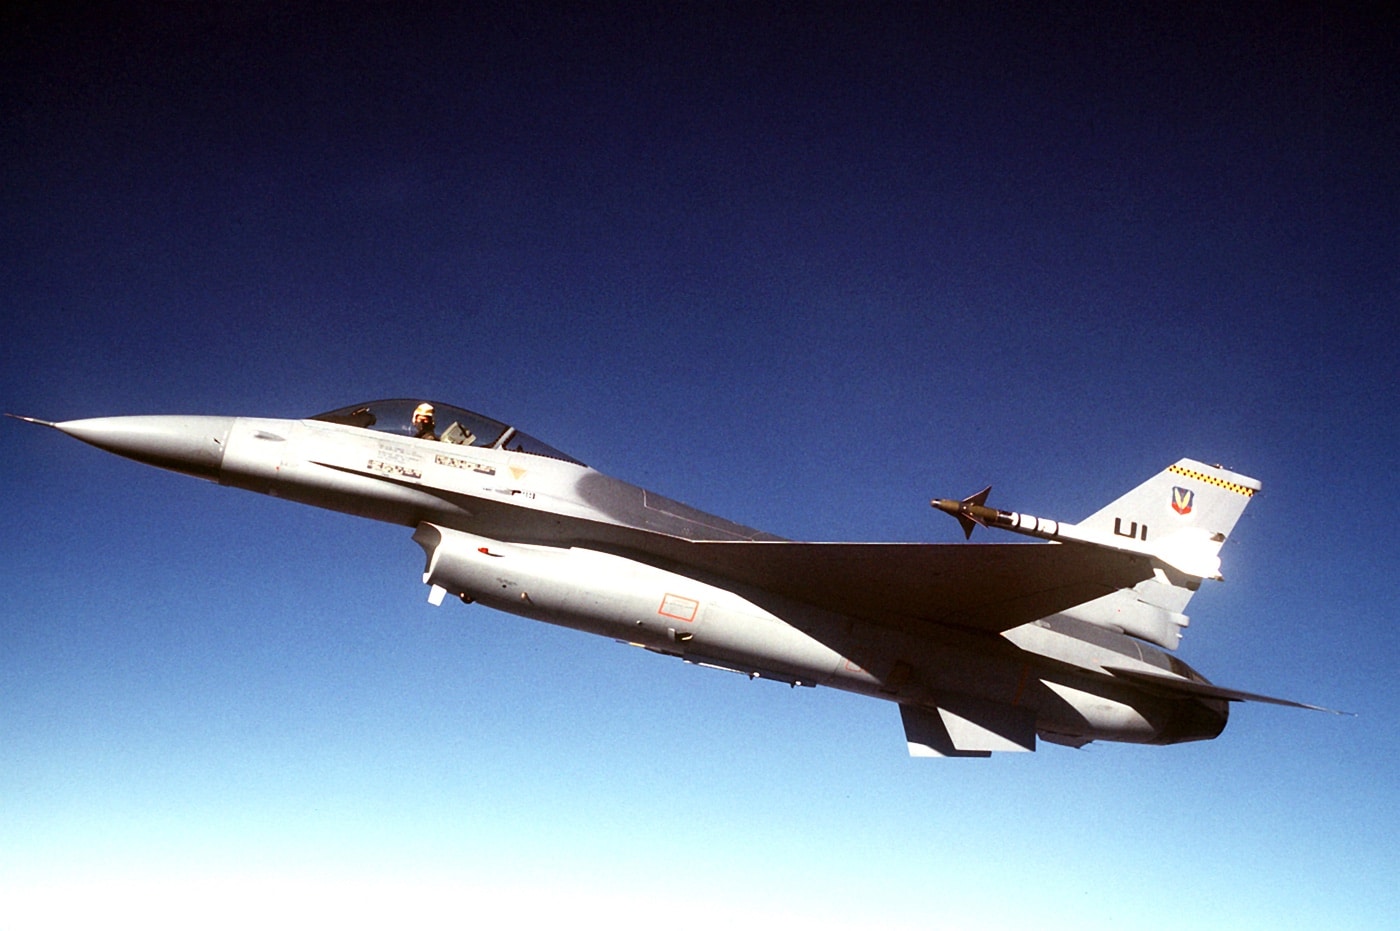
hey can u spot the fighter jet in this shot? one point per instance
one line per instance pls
(984, 647)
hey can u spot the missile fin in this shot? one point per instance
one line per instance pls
(965, 517)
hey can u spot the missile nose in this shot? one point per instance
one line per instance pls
(193, 445)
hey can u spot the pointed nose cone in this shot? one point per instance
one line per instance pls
(193, 445)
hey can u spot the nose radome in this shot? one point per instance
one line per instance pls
(190, 444)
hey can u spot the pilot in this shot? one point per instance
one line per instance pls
(424, 426)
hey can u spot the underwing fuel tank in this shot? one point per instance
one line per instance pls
(613, 596)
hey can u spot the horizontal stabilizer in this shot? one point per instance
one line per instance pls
(1188, 687)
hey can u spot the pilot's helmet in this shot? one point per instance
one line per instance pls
(423, 411)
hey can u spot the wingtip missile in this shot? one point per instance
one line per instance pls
(970, 511)
(1193, 553)
(973, 511)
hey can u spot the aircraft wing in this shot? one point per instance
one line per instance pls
(992, 587)
(986, 586)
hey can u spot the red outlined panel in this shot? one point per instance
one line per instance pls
(679, 607)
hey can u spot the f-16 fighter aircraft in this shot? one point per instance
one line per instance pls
(984, 647)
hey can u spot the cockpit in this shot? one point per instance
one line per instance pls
(430, 420)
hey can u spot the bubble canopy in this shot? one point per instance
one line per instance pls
(455, 425)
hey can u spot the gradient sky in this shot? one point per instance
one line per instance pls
(804, 267)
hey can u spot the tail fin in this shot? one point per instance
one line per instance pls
(1184, 513)
(1188, 495)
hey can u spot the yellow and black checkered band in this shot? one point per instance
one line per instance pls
(1212, 480)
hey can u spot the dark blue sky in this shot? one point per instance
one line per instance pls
(806, 267)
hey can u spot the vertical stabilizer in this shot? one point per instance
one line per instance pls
(1189, 497)
(1184, 513)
